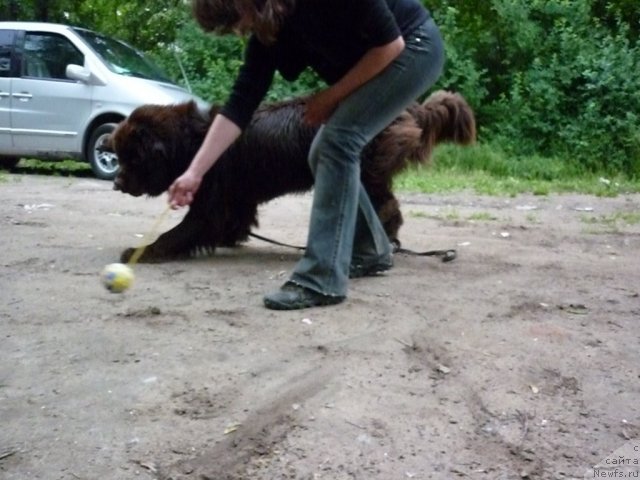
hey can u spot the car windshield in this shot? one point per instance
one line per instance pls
(122, 58)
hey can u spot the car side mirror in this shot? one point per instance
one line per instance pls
(82, 74)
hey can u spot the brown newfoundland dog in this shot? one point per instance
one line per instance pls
(155, 144)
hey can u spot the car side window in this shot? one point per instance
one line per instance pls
(6, 47)
(46, 55)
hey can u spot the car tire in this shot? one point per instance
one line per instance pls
(104, 164)
(8, 163)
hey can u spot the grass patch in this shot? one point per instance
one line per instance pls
(416, 214)
(452, 215)
(482, 217)
(612, 223)
(449, 214)
(532, 218)
(488, 171)
(67, 168)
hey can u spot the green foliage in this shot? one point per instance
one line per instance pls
(146, 24)
(614, 13)
(462, 73)
(547, 77)
(209, 63)
(45, 11)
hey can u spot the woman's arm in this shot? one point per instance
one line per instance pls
(249, 89)
(321, 105)
(222, 133)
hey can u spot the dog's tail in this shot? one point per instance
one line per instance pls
(442, 117)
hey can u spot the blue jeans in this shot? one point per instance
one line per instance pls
(344, 225)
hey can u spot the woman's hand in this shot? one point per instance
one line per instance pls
(320, 106)
(183, 189)
(222, 133)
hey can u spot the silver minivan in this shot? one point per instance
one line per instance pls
(63, 89)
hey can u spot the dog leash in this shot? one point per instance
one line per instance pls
(275, 242)
(444, 255)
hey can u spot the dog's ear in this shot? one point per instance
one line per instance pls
(190, 110)
(130, 141)
(184, 109)
(147, 141)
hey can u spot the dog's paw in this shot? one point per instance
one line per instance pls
(145, 255)
(151, 254)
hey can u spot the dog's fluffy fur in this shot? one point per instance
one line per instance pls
(155, 144)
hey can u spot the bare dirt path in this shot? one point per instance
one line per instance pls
(517, 360)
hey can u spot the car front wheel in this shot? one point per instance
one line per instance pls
(104, 164)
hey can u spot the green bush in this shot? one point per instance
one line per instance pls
(546, 77)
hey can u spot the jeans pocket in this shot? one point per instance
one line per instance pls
(425, 38)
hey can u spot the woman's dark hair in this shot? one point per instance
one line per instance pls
(221, 16)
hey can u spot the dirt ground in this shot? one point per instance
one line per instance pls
(517, 360)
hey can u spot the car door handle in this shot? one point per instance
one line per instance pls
(23, 96)
(4, 94)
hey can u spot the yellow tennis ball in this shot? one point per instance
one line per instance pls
(117, 277)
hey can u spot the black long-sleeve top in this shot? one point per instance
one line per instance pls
(329, 36)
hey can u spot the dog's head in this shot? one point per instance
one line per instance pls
(154, 146)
